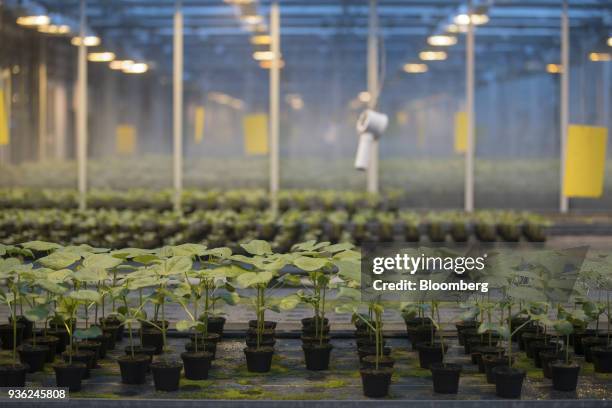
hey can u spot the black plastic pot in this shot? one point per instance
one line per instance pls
(34, 356)
(430, 353)
(209, 338)
(317, 356)
(508, 381)
(367, 342)
(155, 324)
(50, 342)
(376, 382)
(196, 364)
(312, 330)
(529, 338)
(445, 377)
(113, 321)
(602, 359)
(268, 325)
(490, 362)
(166, 375)
(148, 351)
(103, 340)
(69, 375)
(111, 332)
(28, 326)
(370, 351)
(252, 342)
(310, 321)
(383, 362)
(134, 369)
(94, 347)
(482, 351)
(464, 336)
(208, 347)
(82, 356)
(576, 339)
(62, 336)
(419, 334)
(590, 342)
(462, 326)
(216, 324)
(526, 336)
(13, 375)
(564, 376)
(154, 338)
(259, 360)
(312, 339)
(547, 358)
(539, 348)
(6, 335)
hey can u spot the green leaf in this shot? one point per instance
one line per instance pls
(189, 250)
(90, 275)
(42, 246)
(175, 266)
(85, 295)
(563, 327)
(36, 314)
(59, 260)
(221, 252)
(250, 279)
(257, 247)
(345, 246)
(231, 298)
(146, 259)
(184, 325)
(310, 264)
(289, 302)
(104, 261)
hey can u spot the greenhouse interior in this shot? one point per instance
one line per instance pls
(313, 202)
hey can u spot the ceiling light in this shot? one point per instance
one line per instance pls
(136, 68)
(364, 97)
(261, 40)
(267, 64)
(554, 68)
(121, 65)
(454, 28)
(600, 56)
(33, 21)
(433, 55)
(252, 19)
(100, 56)
(610, 41)
(477, 19)
(263, 55)
(415, 68)
(54, 29)
(442, 40)
(90, 41)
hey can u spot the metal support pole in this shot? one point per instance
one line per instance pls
(274, 106)
(178, 105)
(565, 72)
(372, 175)
(81, 118)
(469, 106)
(42, 102)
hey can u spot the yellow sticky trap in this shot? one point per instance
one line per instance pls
(255, 134)
(461, 131)
(125, 142)
(4, 126)
(198, 126)
(585, 161)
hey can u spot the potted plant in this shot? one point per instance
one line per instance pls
(445, 375)
(12, 374)
(431, 351)
(564, 373)
(262, 266)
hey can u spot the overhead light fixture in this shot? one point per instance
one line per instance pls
(261, 39)
(33, 21)
(267, 64)
(554, 68)
(295, 101)
(364, 97)
(121, 65)
(101, 56)
(239, 2)
(433, 55)
(415, 68)
(263, 55)
(477, 19)
(454, 28)
(136, 68)
(600, 56)
(442, 40)
(252, 19)
(90, 41)
(54, 29)
(610, 42)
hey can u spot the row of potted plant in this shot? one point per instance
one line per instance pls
(49, 287)
(151, 229)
